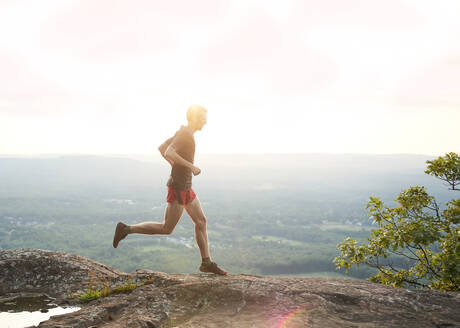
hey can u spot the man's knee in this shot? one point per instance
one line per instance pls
(200, 222)
(166, 230)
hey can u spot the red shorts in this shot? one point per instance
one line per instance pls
(184, 197)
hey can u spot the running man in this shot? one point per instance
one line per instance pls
(179, 151)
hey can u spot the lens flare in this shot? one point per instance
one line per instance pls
(295, 318)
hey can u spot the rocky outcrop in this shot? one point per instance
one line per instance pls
(202, 300)
(57, 274)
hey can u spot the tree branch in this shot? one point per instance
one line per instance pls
(428, 262)
(405, 255)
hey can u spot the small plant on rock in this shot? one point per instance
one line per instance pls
(128, 285)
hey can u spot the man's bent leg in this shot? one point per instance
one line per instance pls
(173, 214)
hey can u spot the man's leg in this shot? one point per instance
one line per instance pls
(195, 211)
(173, 214)
(196, 214)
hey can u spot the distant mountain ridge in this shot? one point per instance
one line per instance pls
(315, 173)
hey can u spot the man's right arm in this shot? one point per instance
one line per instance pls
(172, 155)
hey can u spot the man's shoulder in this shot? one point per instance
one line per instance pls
(184, 132)
(183, 138)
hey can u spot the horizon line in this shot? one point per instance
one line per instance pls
(210, 153)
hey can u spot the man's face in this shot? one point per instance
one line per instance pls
(201, 120)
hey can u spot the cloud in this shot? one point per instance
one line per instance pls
(109, 30)
(390, 14)
(433, 86)
(259, 50)
(24, 89)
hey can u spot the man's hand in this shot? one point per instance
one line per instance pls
(195, 170)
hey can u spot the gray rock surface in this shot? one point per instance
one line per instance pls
(57, 274)
(206, 300)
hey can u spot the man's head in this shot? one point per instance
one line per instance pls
(196, 117)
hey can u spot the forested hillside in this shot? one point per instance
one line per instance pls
(267, 214)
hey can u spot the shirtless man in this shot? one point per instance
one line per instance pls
(179, 151)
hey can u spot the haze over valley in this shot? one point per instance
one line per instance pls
(267, 214)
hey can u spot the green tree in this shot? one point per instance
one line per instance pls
(416, 244)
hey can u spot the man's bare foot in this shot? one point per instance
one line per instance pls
(213, 268)
(120, 233)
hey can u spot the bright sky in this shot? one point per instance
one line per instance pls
(332, 76)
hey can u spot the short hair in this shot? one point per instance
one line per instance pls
(194, 110)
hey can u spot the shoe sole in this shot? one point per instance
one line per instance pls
(218, 273)
(119, 234)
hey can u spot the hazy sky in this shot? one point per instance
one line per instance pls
(276, 76)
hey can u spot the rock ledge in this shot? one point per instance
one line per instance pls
(202, 300)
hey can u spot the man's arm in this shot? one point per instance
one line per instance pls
(171, 155)
(163, 148)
